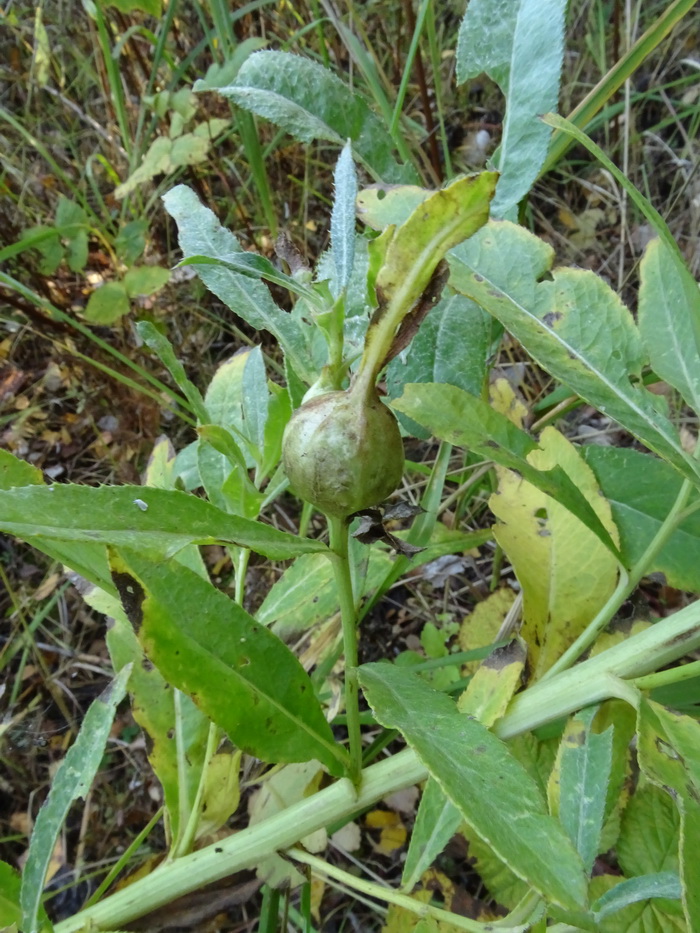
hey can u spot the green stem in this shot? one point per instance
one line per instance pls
(582, 115)
(187, 839)
(338, 535)
(590, 682)
(626, 585)
(322, 869)
(126, 855)
(675, 675)
(423, 526)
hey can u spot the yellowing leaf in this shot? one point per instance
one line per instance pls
(222, 792)
(481, 626)
(393, 832)
(504, 399)
(565, 572)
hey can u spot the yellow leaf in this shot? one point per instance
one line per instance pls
(566, 574)
(504, 400)
(222, 792)
(393, 832)
(481, 626)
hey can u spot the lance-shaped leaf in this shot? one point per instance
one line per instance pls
(343, 219)
(579, 782)
(520, 46)
(72, 780)
(669, 755)
(468, 421)
(241, 675)
(573, 325)
(486, 698)
(494, 793)
(158, 520)
(669, 320)
(201, 234)
(410, 258)
(310, 102)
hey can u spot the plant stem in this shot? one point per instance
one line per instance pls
(675, 675)
(422, 528)
(322, 869)
(338, 535)
(187, 839)
(590, 682)
(626, 586)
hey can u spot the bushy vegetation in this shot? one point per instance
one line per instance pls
(352, 373)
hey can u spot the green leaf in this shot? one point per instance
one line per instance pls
(158, 520)
(152, 7)
(664, 884)
(130, 242)
(459, 418)
(669, 755)
(452, 346)
(73, 220)
(72, 780)
(409, 279)
(240, 674)
(682, 277)
(201, 234)
(666, 321)
(288, 606)
(177, 730)
(380, 206)
(220, 75)
(465, 758)
(165, 155)
(343, 219)
(440, 222)
(145, 280)
(47, 242)
(162, 347)
(580, 781)
(437, 820)
(107, 304)
(255, 398)
(16, 472)
(310, 102)
(487, 696)
(520, 45)
(10, 883)
(224, 398)
(572, 324)
(641, 490)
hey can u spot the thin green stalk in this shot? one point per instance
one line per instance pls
(338, 540)
(124, 858)
(616, 77)
(626, 585)
(590, 682)
(422, 528)
(675, 675)
(324, 870)
(186, 842)
(435, 63)
(407, 68)
(115, 81)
